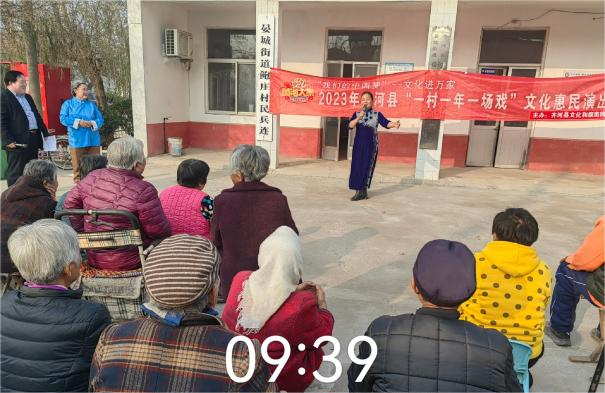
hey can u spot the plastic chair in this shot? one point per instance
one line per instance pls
(521, 355)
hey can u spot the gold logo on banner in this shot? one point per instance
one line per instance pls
(297, 91)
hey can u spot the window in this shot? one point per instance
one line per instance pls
(231, 70)
(512, 46)
(354, 45)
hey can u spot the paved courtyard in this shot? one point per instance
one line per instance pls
(362, 252)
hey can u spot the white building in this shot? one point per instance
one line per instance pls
(210, 100)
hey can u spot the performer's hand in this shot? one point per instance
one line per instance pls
(11, 145)
(397, 124)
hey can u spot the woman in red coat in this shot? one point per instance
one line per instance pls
(271, 302)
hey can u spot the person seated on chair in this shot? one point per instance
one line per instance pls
(572, 278)
(432, 350)
(513, 283)
(247, 213)
(49, 333)
(187, 207)
(119, 186)
(31, 198)
(87, 165)
(182, 345)
(271, 301)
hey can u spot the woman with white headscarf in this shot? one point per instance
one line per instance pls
(271, 302)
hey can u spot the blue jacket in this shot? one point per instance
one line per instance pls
(74, 110)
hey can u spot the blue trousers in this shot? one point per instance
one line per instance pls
(570, 285)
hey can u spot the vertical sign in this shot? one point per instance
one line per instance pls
(264, 61)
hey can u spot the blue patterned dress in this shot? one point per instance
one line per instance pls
(365, 149)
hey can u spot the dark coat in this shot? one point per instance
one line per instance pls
(23, 203)
(48, 339)
(433, 351)
(122, 189)
(14, 124)
(244, 216)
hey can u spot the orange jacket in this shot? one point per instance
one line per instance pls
(590, 255)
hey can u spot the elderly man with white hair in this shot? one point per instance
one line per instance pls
(49, 333)
(120, 186)
(247, 213)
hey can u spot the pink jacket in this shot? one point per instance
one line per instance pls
(182, 206)
(122, 189)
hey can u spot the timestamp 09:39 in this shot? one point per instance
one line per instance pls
(281, 362)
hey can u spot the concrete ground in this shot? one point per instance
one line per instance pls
(363, 252)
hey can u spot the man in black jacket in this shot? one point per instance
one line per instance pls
(49, 334)
(21, 125)
(432, 350)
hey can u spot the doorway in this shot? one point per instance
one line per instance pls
(511, 52)
(337, 141)
(350, 54)
(501, 144)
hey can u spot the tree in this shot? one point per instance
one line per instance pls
(22, 13)
(88, 36)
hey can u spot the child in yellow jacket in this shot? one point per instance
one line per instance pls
(513, 284)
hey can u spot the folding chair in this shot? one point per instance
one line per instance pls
(122, 292)
(594, 355)
(521, 355)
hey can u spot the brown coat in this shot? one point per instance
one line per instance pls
(244, 216)
(25, 202)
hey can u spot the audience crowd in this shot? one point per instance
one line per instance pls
(242, 249)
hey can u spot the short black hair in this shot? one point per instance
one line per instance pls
(191, 173)
(516, 225)
(90, 163)
(11, 76)
(368, 93)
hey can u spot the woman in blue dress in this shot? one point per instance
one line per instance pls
(83, 120)
(365, 146)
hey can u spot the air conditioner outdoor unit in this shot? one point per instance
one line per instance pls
(177, 43)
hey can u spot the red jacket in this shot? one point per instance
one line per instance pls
(122, 189)
(298, 320)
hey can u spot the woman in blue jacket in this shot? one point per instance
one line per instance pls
(83, 120)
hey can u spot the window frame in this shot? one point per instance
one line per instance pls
(349, 30)
(236, 62)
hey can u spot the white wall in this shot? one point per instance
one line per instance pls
(574, 43)
(166, 80)
(305, 29)
(201, 18)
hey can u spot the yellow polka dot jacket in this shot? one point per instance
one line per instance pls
(513, 288)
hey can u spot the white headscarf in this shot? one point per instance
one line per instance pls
(279, 272)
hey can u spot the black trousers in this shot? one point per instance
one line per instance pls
(17, 158)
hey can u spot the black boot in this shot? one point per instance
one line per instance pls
(360, 194)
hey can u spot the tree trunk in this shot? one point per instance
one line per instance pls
(31, 53)
(99, 86)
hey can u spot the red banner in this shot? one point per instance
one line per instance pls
(441, 95)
